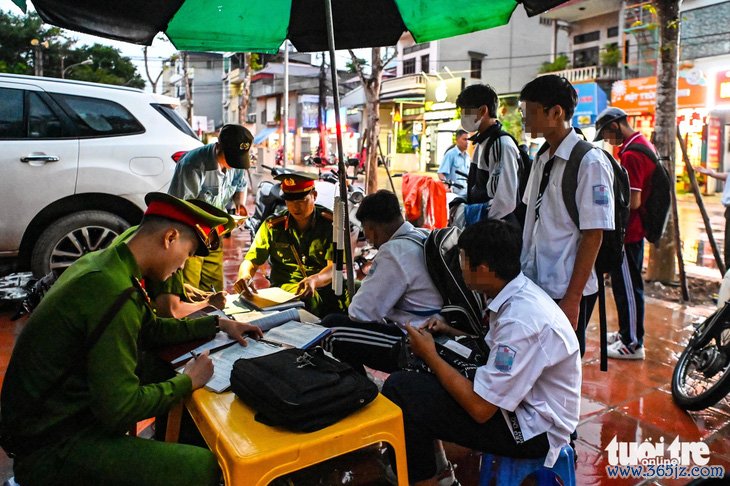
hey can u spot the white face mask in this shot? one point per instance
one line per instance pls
(470, 121)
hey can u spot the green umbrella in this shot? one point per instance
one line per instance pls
(262, 25)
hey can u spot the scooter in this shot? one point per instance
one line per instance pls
(701, 376)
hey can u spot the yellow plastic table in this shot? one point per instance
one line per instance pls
(251, 453)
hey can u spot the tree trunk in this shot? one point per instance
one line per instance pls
(661, 260)
(371, 86)
(245, 89)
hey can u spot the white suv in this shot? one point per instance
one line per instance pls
(77, 159)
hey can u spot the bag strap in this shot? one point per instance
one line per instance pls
(643, 149)
(570, 179)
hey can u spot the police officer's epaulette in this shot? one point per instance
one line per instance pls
(271, 222)
(327, 214)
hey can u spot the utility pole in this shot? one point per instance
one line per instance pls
(38, 55)
(321, 111)
(188, 89)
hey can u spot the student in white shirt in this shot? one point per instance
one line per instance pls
(494, 170)
(398, 289)
(557, 255)
(526, 400)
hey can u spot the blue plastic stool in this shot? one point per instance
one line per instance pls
(509, 471)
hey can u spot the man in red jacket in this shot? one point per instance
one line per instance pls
(628, 286)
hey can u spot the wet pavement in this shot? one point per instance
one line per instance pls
(631, 402)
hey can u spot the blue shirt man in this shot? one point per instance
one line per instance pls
(456, 159)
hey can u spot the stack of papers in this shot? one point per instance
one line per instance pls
(290, 328)
(270, 297)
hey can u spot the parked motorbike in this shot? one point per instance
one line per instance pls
(701, 377)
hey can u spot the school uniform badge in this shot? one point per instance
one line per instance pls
(504, 358)
(600, 195)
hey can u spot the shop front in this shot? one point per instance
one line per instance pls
(441, 119)
(637, 97)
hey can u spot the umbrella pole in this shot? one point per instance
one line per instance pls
(340, 156)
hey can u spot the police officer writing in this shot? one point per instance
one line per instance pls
(72, 387)
(298, 246)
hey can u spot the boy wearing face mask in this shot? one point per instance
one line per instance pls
(493, 173)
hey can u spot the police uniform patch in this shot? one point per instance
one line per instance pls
(600, 195)
(504, 358)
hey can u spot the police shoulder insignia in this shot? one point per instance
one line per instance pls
(271, 222)
(504, 358)
(327, 214)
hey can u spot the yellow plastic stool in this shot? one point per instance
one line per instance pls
(252, 453)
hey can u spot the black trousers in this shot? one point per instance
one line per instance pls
(587, 303)
(372, 344)
(430, 413)
(628, 292)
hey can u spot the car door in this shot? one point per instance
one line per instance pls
(38, 157)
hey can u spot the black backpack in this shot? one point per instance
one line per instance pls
(654, 212)
(463, 307)
(611, 253)
(301, 390)
(524, 162)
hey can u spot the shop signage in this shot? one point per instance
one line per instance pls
(591, 101)
(722, 87)
(638, 95)
(441, 94)
(714, 135)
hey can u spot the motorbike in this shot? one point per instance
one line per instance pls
(701, 376)
(269, 202)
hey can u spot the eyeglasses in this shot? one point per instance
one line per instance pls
(211, 240)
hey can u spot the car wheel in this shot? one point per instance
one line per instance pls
(69, 238)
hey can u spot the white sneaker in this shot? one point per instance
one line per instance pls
(619, 350)
(613, 337)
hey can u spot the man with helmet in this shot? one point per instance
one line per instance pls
(628, 286)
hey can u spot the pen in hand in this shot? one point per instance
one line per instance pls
(194, 354)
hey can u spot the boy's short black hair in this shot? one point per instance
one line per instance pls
(379, 207)
(477, 95)
(461, 132)
(551, 90)
(496, 243)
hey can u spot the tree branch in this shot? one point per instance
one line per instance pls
(358, 67)
(393, 56)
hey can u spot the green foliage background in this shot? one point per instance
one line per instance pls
(17, 54)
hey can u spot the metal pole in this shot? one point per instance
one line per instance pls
(286, 103)
(340, 155)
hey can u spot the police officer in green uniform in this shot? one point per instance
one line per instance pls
(174, 297)
(69, 396)
(299, 247)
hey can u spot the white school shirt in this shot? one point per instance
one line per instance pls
(550, 245)
(398, 286)
(503, 184)
(534, 370)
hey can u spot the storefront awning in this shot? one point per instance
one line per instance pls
(262, 134)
